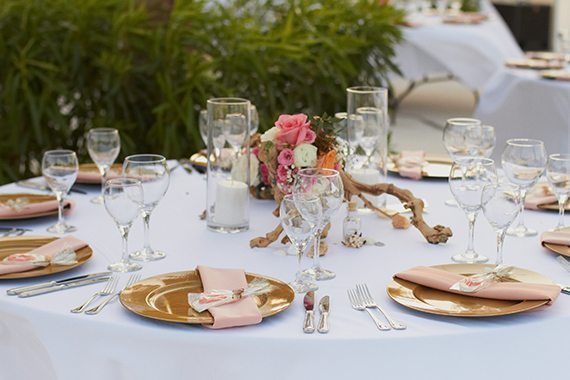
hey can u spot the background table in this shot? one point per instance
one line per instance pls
(40, 338)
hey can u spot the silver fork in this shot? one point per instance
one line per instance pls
(368, 302)
(106, 291)
(97, 309)
(358, 305)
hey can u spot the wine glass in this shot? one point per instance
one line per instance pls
(501, 206)
(459, 135)
(203, 125)
(103, 145)
(558, 175)
(481, 139)
(325, 185)
(59, 168)
(151, 170)
(122, 198)
(468, 177)
(254, 122)
(523, 162)
(300, 230)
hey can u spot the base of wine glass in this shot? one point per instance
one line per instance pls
(98, 200)
(147, 255)
(469, 258)
(123, 267)
(61, 228)
(228, 230)
(320, 274)
(451, 203)
(303, 286)
(521, 231)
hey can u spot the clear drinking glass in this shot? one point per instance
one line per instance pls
(122, 198)
(460, 137)
(103, 145)
(558, 175)
(203, 125)
(59, 168)
(300, 231)
(467, 179)
(523, 162)
(325, 185)
(152, 171)
(501, 206)
(482, 140)
(254, 123)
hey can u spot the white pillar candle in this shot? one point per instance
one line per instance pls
(366, 176)
(231, 203)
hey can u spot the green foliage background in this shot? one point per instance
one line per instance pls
(147, 67)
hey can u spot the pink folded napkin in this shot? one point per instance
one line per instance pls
(555, 237)
(511, 291)
(241, 313)
(410, 163)
(532, 201)
(94, 176)
(30, 209)
(21, 262)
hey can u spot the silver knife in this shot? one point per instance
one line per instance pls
(324, 308)
(309, 321)
(57, 287)
(16, 291)
(566, 265)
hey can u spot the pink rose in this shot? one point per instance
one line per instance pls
(295, 130)
(255, 151)
(264, 173)
(282, 173)
(286, 157)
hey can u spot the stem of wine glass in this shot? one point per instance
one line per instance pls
(146, 219)
(520, 224)
(562, 198)
(124, 230)
(471, 218)
(316, 248)
(104, 172)
(60, 199)
(300, 249)
(500, 239)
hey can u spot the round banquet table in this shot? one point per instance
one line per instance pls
(40, 338)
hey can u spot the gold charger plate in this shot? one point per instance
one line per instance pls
(560, 75)
(563, 250)
(553, 206)
(546, 55)
(534, 64)
(92, 168)
(165, 297)
(32, 198)
(24, 244)
(434, 301)
(434, 167)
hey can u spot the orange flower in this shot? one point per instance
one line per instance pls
(327, 161)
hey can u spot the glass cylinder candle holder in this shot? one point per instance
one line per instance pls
(228, 176)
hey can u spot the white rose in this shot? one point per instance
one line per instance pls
(305, 155)
(239, 170)
(270, 134)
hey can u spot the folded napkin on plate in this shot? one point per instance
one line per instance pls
(532, 201)
(511, 291)
(94, 176)
(555, 237)
(410, 163)
(59, 252)
(23, 208)
(241, 313)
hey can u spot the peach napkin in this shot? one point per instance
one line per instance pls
(241, 313)
(31, 209)
(94, 176)
(532, 201)
(443, 280)
(555, 237)
(48, 251)
(410, 163)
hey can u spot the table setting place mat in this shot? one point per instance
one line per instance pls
(27, 206)
(557, 241)
(213, 297)
(88, 174)
(561, 75)
(33, 256)
(435, 290)
(534, 64)
(546, 55)
(416, 164)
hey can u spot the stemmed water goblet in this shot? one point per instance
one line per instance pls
(122, 198)
(300, 231)
(468, 177)
(523, 162)
(103, 145)
(325, 185)
(558, 175)
(152, 171)
(59, 168)
(501, 206)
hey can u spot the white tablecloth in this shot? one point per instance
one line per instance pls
(471, 53)
(40, 338)
(518, 103)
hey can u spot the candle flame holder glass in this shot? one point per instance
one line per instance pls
(229, 169)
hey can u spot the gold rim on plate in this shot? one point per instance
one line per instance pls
(165, 297)
(438, 302)
(560, 75)
(553, 206)
(24, 244)
(87, 169)
(31, 198)
(563, 250)
(434, 167)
